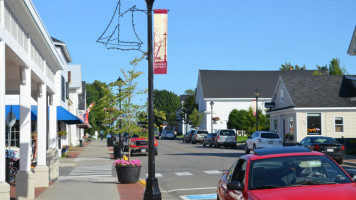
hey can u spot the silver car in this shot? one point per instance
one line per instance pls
(225, 137)
(169, 135)
(198, 136)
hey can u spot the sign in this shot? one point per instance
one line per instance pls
(270, 105)
(160, 41)
(253, 107)
(10, 119)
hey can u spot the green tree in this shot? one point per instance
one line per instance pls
(195, 118)
(189, 92)
(97, 92)
(289, 67)
(335, 68)
(167, 102)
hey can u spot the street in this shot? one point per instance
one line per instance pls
(189, 171)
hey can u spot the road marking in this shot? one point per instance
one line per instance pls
(187, 189)
(183, 173)
(157, 175)
(213, 172)
(199, 197)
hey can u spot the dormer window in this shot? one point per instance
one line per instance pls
(281, 95)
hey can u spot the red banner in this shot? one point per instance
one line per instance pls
(160, 41)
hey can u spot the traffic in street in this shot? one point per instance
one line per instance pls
(192, 171)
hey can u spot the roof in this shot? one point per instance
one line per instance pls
(320, 91)
(63, 47)
(352, 47)
(242, 84)
(280, 150)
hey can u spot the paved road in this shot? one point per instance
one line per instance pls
(189, 169)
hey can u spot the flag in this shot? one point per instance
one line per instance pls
(87, 113)
(160, 41)
(254, 107)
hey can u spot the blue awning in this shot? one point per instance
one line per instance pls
(16, 111)
(66, 116)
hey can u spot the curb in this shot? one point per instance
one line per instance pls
(143, 182)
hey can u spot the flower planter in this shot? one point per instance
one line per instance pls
(128, 174)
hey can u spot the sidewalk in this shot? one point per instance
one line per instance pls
(89, 176)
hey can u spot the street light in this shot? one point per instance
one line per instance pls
(257, 93)
(120, 85)
(152, 191)
(211, 105)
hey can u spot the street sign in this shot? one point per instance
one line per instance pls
(269, 105)
(10, 119)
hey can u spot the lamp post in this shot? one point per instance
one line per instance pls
(152, 191)
(211, 105)
(257, 93)
(120, 82)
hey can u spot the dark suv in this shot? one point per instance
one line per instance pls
(188, 136)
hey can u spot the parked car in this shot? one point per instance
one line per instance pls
(209, 139)
(226, 138)
(188, 136)
(169, 134)
(198, 136)
(326, 145)
(291, 173)
(140, 145)
(262, 139)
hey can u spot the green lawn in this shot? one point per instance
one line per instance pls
(241, 139)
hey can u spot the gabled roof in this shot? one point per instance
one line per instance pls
(64, 49)
(352, 47)
(242, 84)
(184, 97)
(320, 91)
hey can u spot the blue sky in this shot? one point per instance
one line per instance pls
(214, 35)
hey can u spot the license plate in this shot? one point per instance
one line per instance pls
(143, 150)
(330, 150)
(270, 142)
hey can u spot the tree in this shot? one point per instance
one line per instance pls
(289, 67)
(196, 118)
(167, 102)
(97, 92)
(189, 92)
(335, 68)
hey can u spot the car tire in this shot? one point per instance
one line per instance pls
(247, 151)
(254, 146)
(210, 145)
(204, 144)
(131, 153)
(156, 152)
(194, 142)
(340, 161)
(216, 145)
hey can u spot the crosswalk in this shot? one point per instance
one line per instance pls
(101, 173)
(158, 175)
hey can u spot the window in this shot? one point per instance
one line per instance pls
(313, 123)
(275, 125)
(291, 125)
(339, 124)
(63, 89)
(67, 90)
(69, 77)
(281, 95)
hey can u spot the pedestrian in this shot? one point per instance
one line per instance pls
(101, 134)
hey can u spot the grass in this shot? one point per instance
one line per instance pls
(241, 139)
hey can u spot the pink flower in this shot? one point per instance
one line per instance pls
(122, 162)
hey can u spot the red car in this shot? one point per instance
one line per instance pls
(140, 145)
(289, 173)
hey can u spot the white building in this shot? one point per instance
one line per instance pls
(230, 90)
(31, 71)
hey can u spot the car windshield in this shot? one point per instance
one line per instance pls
(269, 135)
(227, 133)
(202, 132)
(325, 140)
(294, 171)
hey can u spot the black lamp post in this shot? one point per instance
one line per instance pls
(152, 191)
(257, 93)
(120, 82)
(211, 105)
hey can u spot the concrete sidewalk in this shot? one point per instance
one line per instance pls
(89, 176)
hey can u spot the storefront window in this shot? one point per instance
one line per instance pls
(313, 123)
(339, 124)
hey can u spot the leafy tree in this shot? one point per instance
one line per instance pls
(289, 67)
(167, 102)
(97, 92)
(195, 118)
(335, 68)
(189, 92)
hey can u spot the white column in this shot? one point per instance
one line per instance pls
(25, 188)
(52, 138)
(4, 187)
(52, 152)
(41, 170)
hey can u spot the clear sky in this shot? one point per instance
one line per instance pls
(214, 35)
